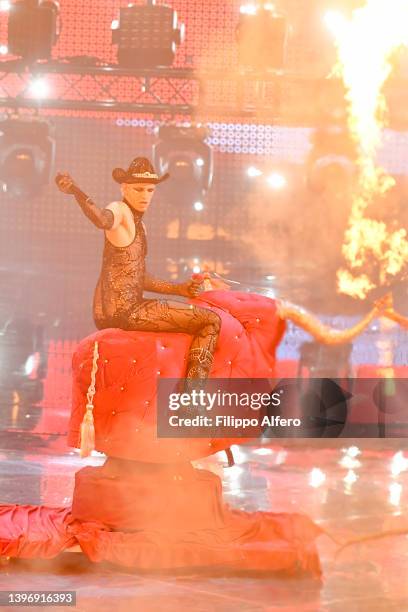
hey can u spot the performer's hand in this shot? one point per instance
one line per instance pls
(64, 182)
(190, 288)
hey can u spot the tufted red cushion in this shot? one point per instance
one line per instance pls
(130, 362)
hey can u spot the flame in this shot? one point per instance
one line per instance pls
(366, 45)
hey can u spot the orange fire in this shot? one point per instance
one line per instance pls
(366, 45)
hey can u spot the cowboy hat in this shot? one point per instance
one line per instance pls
(140, 171)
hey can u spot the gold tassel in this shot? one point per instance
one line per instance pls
(87, 425)
(87, 432)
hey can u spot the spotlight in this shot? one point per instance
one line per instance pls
(198, 206)
(4, 6)
(332, 171)
(253, 172)
(26, 156)
(33, 28)
(147, 36)
(3, 49)
(22, 358)
(248, 9)
(335, 21)
(331, 163)
(183, 152)
(277, 181)
(196, 269)
(39, 88)
(261, 36)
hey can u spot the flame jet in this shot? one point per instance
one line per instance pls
(366, 47)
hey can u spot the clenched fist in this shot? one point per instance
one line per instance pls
(190, 288)
(64, 182)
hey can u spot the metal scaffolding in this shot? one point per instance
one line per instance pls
(83, 85)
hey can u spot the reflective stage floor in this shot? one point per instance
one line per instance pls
(350, 487)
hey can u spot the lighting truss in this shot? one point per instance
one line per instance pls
(169, 91)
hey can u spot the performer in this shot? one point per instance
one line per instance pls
(118, 299)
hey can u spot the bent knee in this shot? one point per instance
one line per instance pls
(214, 319)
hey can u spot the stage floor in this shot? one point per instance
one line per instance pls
(348, 486)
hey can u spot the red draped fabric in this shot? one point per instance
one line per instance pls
(161, 518)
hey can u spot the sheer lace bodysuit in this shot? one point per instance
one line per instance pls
(119, 302)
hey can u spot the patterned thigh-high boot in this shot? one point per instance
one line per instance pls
(201, 353)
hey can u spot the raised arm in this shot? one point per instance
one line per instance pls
(323, 333)
(107, 218)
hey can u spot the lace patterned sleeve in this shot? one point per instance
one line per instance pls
(157, 285)
(102, 218)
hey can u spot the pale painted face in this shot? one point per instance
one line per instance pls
(138, 195)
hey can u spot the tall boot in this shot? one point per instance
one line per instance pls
(199, 363)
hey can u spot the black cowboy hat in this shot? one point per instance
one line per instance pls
(140, 171)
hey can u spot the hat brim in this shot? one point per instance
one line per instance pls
(121, 176)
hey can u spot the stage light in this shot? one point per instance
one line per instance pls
(331, 164)
(3, 49)
(263, 451)
(316, 478)
(395, 490)
(198, 206)
(399, 463)
(248, 9)
(4, 6)
(350, 478)
(147, 36)
(196, 269)
(331, 172)
(177, 152)
(253, 172)
(31, 365)
(335, 21)
(23, 359)
(27, 152)
(352, 451)
(261, 37)
(277, 181)
(39, 88)
(33, 28)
